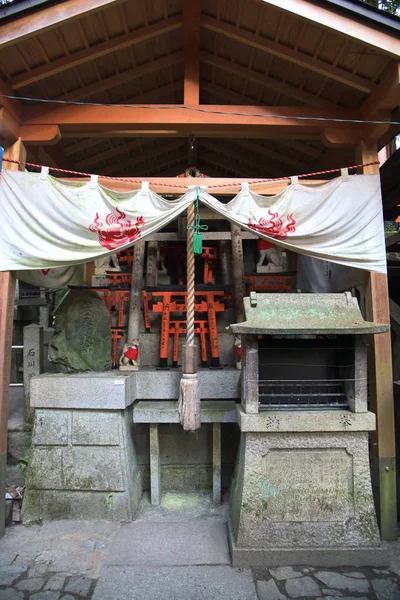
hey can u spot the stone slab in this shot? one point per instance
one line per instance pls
(175, 583)
(292, 421)
(212, 411)
(152, 384)
(51, 428)
(106, 391)
(170, 544)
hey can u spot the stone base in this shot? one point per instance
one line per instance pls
(311, 557)
(303, 492)
(83, 465)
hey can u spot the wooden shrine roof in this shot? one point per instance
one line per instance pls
(252, 53)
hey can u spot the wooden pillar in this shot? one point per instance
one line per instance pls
(15, 151)
(151, 264)
(381, 388)
(191, 32)
(225, 262)
(136, 293)
(238, 271)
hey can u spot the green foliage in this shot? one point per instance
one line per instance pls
(391, 6)
(23, 463)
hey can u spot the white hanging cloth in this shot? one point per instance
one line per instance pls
(50, 223)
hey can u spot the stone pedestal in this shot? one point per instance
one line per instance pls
(83, 461)
(302, 490)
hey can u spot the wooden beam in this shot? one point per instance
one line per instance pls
(297, 163)
(267, 82)
(227, 94)
(12, 106)
(386, 96)
(191, 20)
(126, 76)
(262, 168)
(9, 126)
(174, 185)
(55, 67)
(340, 24)
(381, 388)
(48, 18)
(13, 151)
(108, 154)
(289, 54)
(40, 134)
(210, 120)
(152, 154)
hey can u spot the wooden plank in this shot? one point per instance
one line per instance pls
(340, 23)
(174, 185)
(386, 95)
(289, 54)
(49, 18)
(126, 76)
(191, 19)
(40, 134)
(238, 271)
(226, 119)
(381, 388)
(9, 126)
(138, 36)
(272, 154)
(15, 151)
(267, 82)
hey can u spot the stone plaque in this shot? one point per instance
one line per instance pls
(304, 485)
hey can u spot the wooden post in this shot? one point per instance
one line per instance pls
(89, 272)
(136, 293)
(381, 388)
(191, 32)
(151, 264)
(15, 151)
(238, 271)
(225, 262)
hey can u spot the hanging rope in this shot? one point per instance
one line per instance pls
(189, 398)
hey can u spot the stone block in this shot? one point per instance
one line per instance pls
(84, 505)
(95, 429)
(46, 469)
(213, 384)
(51, 427)
(98, 391)
(295, 490)
(92, 468)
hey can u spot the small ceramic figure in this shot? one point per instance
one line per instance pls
(106, 263)
(129, 360)
(273, 254)
(238, 351)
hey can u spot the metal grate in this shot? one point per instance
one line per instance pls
(302, 394)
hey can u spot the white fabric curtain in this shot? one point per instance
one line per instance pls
(50, 223)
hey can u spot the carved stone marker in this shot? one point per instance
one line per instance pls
(82, 341)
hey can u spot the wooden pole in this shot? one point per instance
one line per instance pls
(15, 151)
(238, 271)
(381, 389)
(151, 264)
(225, 262)
(136, 293)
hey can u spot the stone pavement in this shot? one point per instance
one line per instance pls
(176, 552)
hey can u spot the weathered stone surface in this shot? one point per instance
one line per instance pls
(67, 597)
(51, 428)
(45, 469)
(55, 583)
(38, 569)
(281, 573)
(10, 573)
(386, 589)
(48, 595)
(92, 468)
(330, 474)
(329, 592)
(357, 574)
(82, 340)
(31, 585)
(11, 594)
(185, 543)
(98, 391)
(268, 590)
(173, 583)
(95, 428)
(342, 582)
(79, 585)
(303, 587)
(381, 571)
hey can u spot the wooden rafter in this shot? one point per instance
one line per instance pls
(100, 157)
(271, 154)
(92, 53)
(267, 82)
(151, 154)
(289, 54)
(191, 19)
(124, 77)
(387, 95)
(346, 25)
(226, 94)
(258, 166)
(49, 18)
